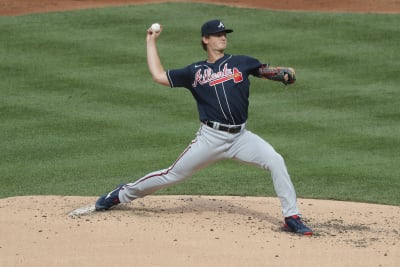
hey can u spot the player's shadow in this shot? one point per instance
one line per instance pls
(197, 205)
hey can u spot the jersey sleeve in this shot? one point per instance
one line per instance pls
(253, 65)
(180, 77)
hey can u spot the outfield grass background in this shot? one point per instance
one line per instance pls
(79, 112)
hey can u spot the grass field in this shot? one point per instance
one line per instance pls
(80, 113)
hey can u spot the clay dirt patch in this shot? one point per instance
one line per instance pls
(195, 231)
(18, 7)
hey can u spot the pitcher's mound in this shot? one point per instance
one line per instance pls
(194, 231)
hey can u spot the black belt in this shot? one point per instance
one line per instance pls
(230, 129)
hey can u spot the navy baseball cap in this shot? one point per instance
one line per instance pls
(212, 27)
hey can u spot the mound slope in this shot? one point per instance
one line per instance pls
(195, 231)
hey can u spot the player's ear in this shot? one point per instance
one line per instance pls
(204, 39)
(203, 43)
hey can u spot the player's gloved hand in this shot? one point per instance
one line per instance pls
(280, 74)
(289, 76)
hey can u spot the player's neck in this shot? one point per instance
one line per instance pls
(213, 56)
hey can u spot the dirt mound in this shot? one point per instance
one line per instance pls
(195, 231)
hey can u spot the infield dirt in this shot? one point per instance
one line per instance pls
(18, 7)
(196, 230)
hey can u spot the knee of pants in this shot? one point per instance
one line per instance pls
(276, 162)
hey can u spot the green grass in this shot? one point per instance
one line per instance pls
(80, 113)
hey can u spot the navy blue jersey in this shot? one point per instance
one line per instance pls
(221, 89)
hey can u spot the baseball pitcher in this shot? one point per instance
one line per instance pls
(220, 85)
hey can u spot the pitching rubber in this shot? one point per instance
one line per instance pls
(82, 211)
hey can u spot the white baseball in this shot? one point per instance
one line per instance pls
(155, 27)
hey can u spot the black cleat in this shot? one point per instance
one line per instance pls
(295, 225)
(109, 200)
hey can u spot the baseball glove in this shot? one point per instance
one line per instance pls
(281, 74)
